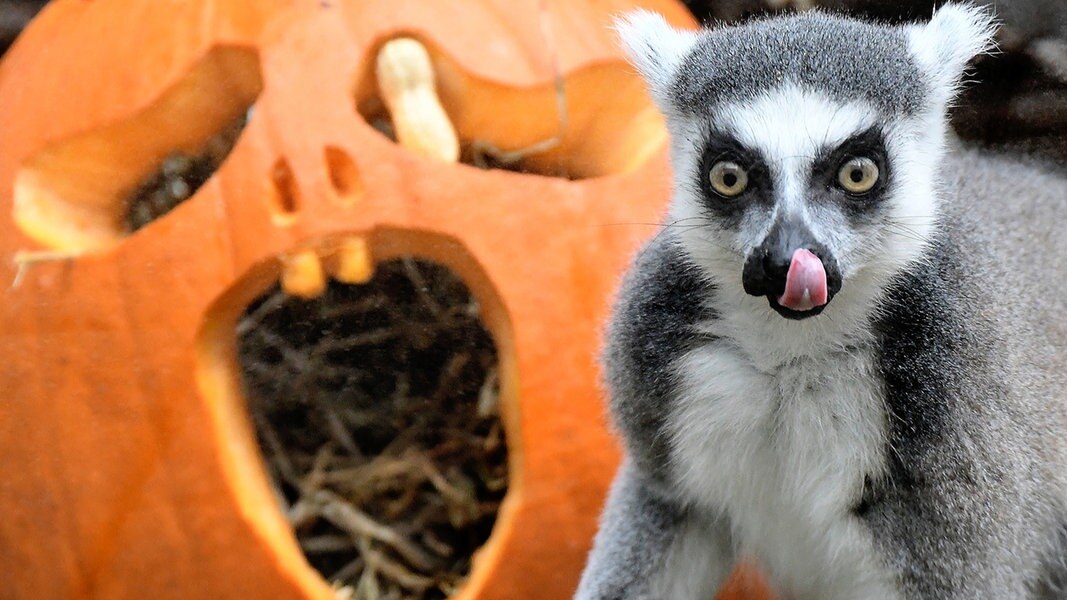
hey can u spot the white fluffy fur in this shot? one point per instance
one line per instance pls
(655, 48)
(944, 46)
(784, 451)
(779, 420)
(697, 564)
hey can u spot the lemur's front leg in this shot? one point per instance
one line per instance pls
(649, 548)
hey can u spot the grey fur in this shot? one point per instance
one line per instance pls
(842, 57)
(633, 561)
(963, 490)
(974, 501)
(651, 332)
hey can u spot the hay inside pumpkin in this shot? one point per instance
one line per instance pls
(376, 407)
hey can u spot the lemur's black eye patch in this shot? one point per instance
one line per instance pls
(864, 147)
(739, 160)
(719, 147)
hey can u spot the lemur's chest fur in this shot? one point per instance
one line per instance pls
(784, 451)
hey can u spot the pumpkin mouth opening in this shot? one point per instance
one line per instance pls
(89, 191)
(377, 409)
(592, 122)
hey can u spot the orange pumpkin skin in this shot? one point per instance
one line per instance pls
(130, 468)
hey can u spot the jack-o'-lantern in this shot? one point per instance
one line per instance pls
(130, 464)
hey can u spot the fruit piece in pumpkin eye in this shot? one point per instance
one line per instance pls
(418, 121)
(406, 81)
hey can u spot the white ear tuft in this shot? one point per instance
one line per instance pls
(956, 34)
(655, 48)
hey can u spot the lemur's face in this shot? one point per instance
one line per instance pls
(804, 149)
(791, 194)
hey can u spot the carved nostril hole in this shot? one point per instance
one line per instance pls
(285, 196)
(344, 176)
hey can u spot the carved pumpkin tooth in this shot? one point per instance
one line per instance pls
(406, 82)
(303, 275)
(354, 263)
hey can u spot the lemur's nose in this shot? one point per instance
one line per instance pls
(767, 267)
(765, 272)
(776, 264)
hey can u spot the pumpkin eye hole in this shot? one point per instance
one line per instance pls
(728, 179)
(180, 175)
(409, 93)
(858, 175)
(91, 188)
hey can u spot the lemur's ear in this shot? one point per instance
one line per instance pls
(655, 48)
(956, 34)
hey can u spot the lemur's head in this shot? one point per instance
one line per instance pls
(805, 148)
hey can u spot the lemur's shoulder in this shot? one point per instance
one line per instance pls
(960, 384)
(963, 421)
(923, 349)
(662, 298)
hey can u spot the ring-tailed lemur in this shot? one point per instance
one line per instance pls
(846, 355)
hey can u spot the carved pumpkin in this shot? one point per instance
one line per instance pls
(130, 466)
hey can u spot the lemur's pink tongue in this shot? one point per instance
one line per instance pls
(805, 284)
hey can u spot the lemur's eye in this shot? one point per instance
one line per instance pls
(858, 175)
(728, 179)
